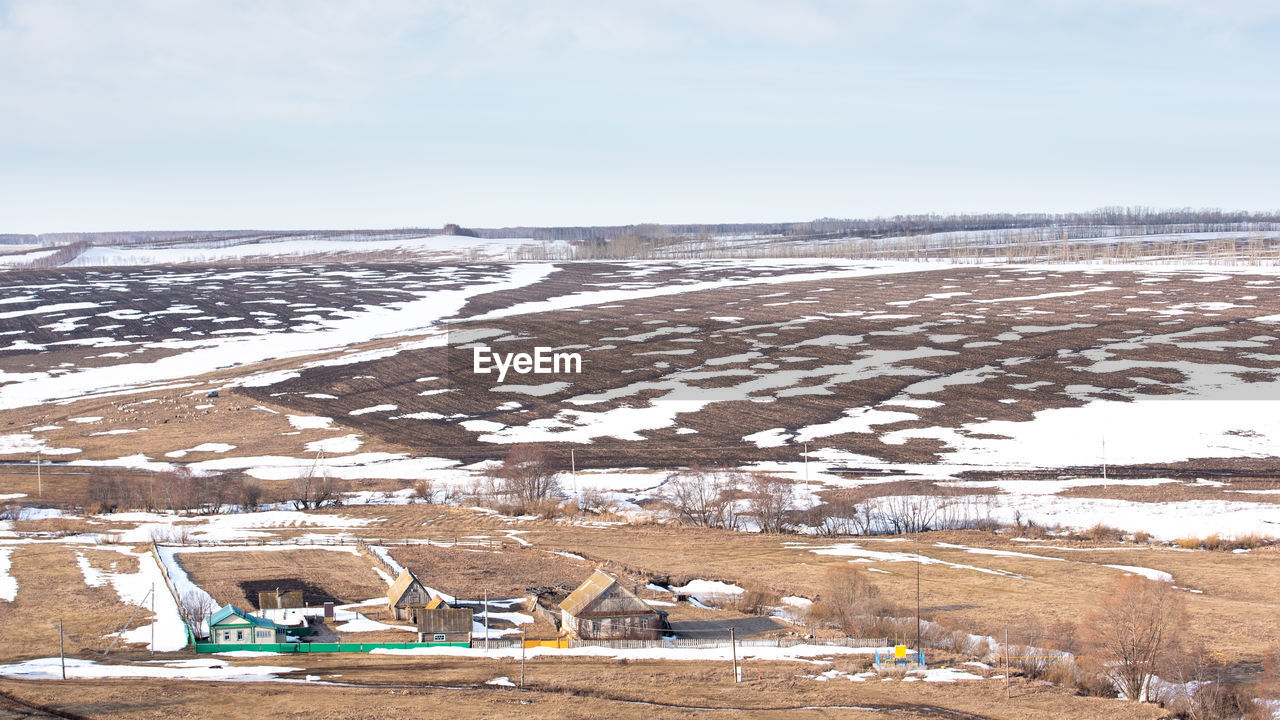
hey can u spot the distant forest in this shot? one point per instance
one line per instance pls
(1096, 223)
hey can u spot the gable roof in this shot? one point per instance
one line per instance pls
(229, 611)
(437, 603)
(446, 620)
(602, 595)
(401, 586)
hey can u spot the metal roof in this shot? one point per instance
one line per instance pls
(229, 611)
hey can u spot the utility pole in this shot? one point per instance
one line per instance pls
(733, 643)
(522, 644)
(918, 648)
(155, 619)
(486, 618)
(39, 483)
(62, 658)
(1006, 663)
(1104, 458)
(573, 470)
(806, 462)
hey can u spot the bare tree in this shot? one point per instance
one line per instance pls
(851, 601)
(771, 500)
(313, 491)
(251, 494)
(1131, 628)
(527, 476)
(424, 491)
(195, 608)
(703, 497)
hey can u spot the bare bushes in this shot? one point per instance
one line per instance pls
(178, 490)
(1248, 541)
(839, 515)
(923, 507)
(772, 501)
(524, 482)
(310, 492)
(704, 497)
(1199, 685)
(1131, 630)
(756, 602)
(851, 602)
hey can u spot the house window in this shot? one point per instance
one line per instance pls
(226, 636)
(438, 637)
(239, 635)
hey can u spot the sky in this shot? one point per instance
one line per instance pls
(212, 114)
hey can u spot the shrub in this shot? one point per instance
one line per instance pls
(756, 602)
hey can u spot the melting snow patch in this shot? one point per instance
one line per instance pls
(209, 447)
(51, 668)
(310, 422)
(344, 444)
(1145, 572)
(8, 583)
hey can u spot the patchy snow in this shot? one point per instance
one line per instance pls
(385, 556)
(8, 583)
(209, 447)
(26, 443)
(374, 409)
(948, 675)
(703, 592)
(1145, 572)
(862, 554)
(338, 445)
(364, 624)
(419, 315)
(198, 669)
(310, 422)
(135, 588)
(774, 437)
(93, 577)
(1137, 432)
(503, 681)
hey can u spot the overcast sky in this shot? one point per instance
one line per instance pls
(165, 114)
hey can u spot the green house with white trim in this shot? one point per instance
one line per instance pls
(232, 626)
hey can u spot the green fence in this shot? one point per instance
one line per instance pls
(319, 647)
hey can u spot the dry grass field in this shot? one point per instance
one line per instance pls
(995, 345)
(881, 371)
(1232, 611)
(569, 688)
(53, 587)
(322, 575)
(467, 572)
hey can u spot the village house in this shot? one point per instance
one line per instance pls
(602, 609)
(443, 624)
(231, 625)
(406, 596)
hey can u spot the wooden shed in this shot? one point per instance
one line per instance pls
(279, 599)
(445, 625)
(602, 609)
(406, 592)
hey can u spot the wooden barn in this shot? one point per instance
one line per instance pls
(406, 595)
(602, 609)
(445, 625)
